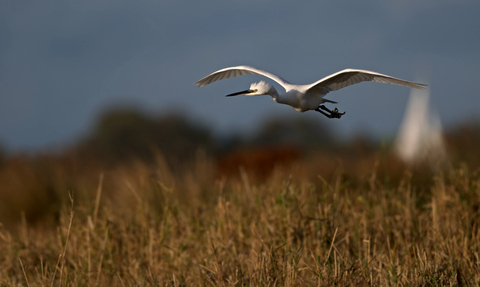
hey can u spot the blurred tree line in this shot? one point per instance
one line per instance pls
(124, 134)
(2, 154)
(463, 142)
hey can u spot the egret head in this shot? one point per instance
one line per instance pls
(257, 89)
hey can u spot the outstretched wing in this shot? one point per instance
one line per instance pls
(349, 77)
(239, 71)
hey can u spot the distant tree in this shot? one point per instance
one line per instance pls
(2, 154)
(463, 141)
(123, 134)
(299, 131)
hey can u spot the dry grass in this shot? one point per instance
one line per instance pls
(141, 225)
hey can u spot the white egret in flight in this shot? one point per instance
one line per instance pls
(304, 97)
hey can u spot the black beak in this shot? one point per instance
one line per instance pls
(240, 93)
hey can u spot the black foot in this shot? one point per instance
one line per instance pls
(331, 114)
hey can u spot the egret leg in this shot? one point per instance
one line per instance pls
(335, 114)
(323, 113)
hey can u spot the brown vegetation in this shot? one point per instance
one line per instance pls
(140, 224)
(353, 217)
(258, 163)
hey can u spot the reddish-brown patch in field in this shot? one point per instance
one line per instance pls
(257, 162)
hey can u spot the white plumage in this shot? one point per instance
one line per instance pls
(304, 97)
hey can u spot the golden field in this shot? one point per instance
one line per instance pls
(352, 217)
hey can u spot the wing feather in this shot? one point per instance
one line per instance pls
(232, 72)
(350, 77)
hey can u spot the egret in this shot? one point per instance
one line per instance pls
(304, 97)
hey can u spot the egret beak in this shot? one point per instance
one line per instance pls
(240, 93)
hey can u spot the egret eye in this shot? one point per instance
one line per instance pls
(255, 90)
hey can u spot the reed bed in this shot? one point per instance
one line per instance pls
(141, 224)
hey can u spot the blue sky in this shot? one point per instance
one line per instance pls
(63, 62)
